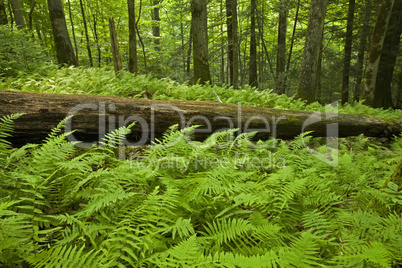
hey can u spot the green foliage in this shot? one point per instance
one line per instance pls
(20, 54)
(183, 203)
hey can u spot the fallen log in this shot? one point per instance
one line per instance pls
(93, 116)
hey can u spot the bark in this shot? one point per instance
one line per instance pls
(308, 73)
(382, 93)
(64, 48)
(398, 100)
(133, 56)
(365, 32)
(253, 79)
(232, 25)
(33, 4)
(200, 41)
(97, 41)
(292, 40)
(86, 34)
(377, 42)
(348, 53)
(281, 56)
(93, 113)
(156, 30)
(18, 15)
(190, 43)
(140, 38)
(3, 14)
(115, 47)
(72, 29)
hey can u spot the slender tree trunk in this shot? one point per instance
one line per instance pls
(33, 4)
(86, 34)
(140, 38)
(10, 9)
(348, 53)
(190, 45)
(233, 60)
(253, 78)
(115, 47)
(97, 41)
(64, 49)
(132, 57)
(292, 40)
(72, 29)
(281, 56)
(3, 14)
(222, 67)
(377, 43)
(382, 93)
(308, 74)
(156, 30)
(200, 41)
(365, 32)
(318, 84)
(18, 15)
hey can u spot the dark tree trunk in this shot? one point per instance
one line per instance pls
(190, 46)
(64, 49)
(292, 40)
(318, 84)
(156, 30)
(140, 38)
(365, 32)
(97, 41)
(377, 43)
(33, 4)
(398, 100)
(348, 53)
(115, 47)
(72, 29)
(92, 116)
(18, 15)
(3, 14)
(308, 74)
(132, 57)
(200, 41)
(233, 60)
(86, 34)
(281, 56)
(253, 78)
(382, 93)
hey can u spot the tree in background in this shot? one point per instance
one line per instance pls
(233, 60)
(348, 53)
(64, 49)
(3, 14)
(308, 73)
(253, 79)
(200, 41)
(281, 54)
(382, 93)
(132, 56)
(18, 16)
(376, 47)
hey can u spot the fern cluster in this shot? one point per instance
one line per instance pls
(184, 203)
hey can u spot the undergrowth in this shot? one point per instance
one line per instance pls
(103, 81)
(223, 202)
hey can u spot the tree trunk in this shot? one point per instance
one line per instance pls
(64, 48)
(190, 46)
(398, 100)
(233, 60)
(200, 41)
(92, 115)
(18, 15)
(156, 30)
(33, 4)
(97, 41)
(292, 40)
(132, 57)
(72, 29)
(86, 34)
(348, 53)
(377, 42)
(115, 47)
(382, 93)
(308, 74)
(3, 14)
(365, 32)
(281, 56)
(253, 79)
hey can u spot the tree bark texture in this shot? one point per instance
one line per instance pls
(382, 92)
(115, 47)
(200, 41)
(91, 63)
(96, 114)
(64, 48)
(281, 56)
(233, 60)
(377, 43)
(132, 55)
(18, 15)
(253, 79)
(348, 53)
(308, 73)
(156, 29)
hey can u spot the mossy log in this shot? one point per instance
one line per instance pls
(93, 116)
